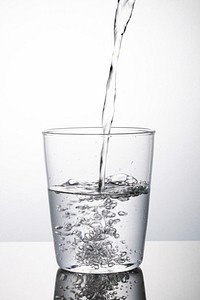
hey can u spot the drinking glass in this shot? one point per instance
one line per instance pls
(99, 230)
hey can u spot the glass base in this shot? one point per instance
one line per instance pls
(101, 270)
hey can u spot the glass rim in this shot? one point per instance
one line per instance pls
(98, 131)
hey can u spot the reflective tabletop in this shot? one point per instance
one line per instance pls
(170, 270)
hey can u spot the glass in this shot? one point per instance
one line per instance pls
(99, 231)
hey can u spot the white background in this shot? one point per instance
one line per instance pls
(54, 62)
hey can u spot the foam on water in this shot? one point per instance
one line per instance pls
(116, 185)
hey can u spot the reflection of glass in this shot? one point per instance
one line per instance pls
(115, 286)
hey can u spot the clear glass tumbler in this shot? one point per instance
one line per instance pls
(99, 231)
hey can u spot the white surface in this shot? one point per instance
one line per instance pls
(28, 271)
(170, 270)
(53, 71)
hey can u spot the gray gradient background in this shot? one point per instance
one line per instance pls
(54, 61)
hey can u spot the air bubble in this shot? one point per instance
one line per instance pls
(131, 180)
(111, 264)
(123, 199)
(116, 221)
(97, 216)
(122, 213)
(89, 247)
(68, 227)
(81, 294)
(58, 227)
(108, 214)
(79, 280)
(62, 277)
(95, 225)
(60, 208)
(118, 178)
(73, 182)
(96, 266)
(57, 232)
(117, 236)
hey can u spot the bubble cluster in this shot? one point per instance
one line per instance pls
(89, 223)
